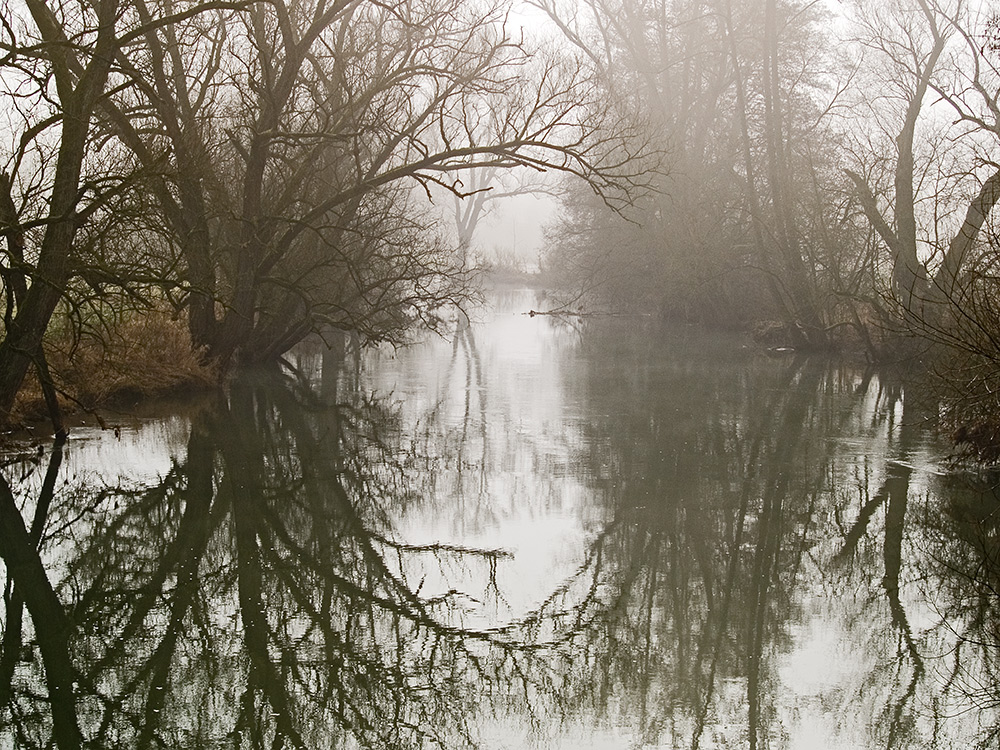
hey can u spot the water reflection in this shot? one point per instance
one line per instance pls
(533, 533)
(254, 596)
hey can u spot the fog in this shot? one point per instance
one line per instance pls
(473, 373)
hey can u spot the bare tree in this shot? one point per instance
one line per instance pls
(914, 51)
(45, 191)
(251, 163)
(741, 93)
(283, 132)
(936, 47)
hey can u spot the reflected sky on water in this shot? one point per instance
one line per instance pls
(530, 531)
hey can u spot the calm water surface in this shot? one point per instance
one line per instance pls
(531, 532)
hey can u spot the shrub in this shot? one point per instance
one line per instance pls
(143, 354)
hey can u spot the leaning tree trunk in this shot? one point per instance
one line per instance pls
(24, 337)
(909, 275)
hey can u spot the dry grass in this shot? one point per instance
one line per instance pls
(147, 355)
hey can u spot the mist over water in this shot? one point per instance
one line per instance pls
(529, 532)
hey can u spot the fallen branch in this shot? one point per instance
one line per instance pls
(581, 314)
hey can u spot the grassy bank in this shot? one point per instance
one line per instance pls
(146, 355)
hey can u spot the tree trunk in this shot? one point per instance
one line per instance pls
(808, 323)
(79, 93)
(946, 279)
(52, 626)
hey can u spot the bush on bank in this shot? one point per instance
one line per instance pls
(143, 355)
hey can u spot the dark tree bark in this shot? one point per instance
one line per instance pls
(52, 626)
(79, 92)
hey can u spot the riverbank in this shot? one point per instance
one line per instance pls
(149, 356)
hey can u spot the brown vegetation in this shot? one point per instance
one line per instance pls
(147, 355)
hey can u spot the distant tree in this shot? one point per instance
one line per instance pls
(479, 193)
(742, 93)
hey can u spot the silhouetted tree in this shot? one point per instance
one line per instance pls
(288, 136)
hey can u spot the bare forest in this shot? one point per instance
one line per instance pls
(232, 177)
(290, 460)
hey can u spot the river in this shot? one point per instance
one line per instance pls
(529, 531)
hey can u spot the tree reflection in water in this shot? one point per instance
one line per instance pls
(961, 570)
(751, 494)
(683, 594)
(253, 597)
(264, 593)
